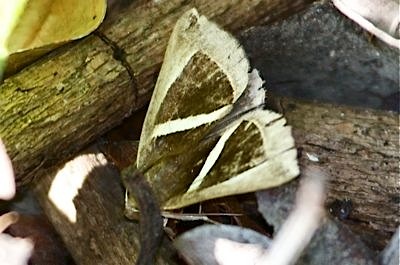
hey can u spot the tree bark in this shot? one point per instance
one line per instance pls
(359, 148)
(62, 102)
(84, 200)
(67, 99)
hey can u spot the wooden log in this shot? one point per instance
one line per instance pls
(59, 104)
(54, 107)
(349, 143)
(360, 150)
(84, 200)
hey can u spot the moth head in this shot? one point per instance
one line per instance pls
(189, 19)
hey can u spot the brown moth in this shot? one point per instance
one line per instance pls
(205, 134)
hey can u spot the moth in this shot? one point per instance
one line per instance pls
(206, 134)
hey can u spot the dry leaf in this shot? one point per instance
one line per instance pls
(45, 24)
(15, 250)
(7, 183)
(221, 244)
(9, 14)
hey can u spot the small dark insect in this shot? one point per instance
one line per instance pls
(341, 208)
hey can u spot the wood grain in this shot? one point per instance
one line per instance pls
(347, 142)
(100, 234)
(360, 150)
(59, 104)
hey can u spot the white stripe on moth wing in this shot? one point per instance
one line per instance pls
(189, 122)
(270, 173)
(259, 118)
(212, 158)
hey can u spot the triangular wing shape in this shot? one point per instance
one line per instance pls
(204, 72)
(205, 135)
(257, 152)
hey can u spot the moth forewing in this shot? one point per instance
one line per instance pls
(191, 122)
(205, 135)
(256, 118)
(256, 155)
(212, 158)
(194, 35)
(253, 97)
(269, 174)
(276, 136)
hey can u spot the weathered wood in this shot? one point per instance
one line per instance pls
(360, 150)
(100, 233)
(54, 107)
(62, 102)
(347, 143)
(358, 147)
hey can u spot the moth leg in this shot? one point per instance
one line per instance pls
(188, 217)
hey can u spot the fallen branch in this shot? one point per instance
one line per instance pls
(319, 131)
(62, 102)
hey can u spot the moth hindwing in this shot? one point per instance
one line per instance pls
(203, 136)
